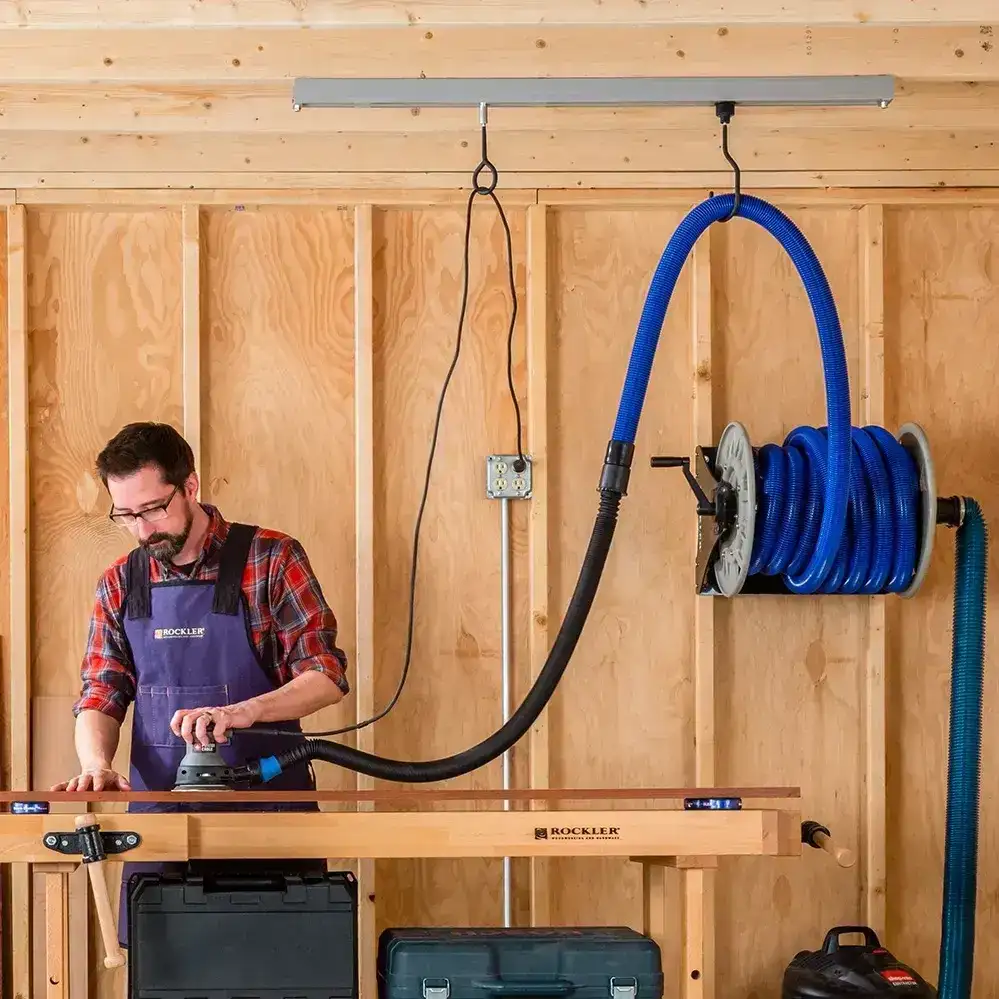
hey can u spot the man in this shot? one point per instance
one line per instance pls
(204, 621)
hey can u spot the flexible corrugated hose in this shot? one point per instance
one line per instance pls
(957, 933)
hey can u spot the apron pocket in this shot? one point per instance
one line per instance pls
(155, 706)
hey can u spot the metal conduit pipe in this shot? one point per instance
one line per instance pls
(506, 660)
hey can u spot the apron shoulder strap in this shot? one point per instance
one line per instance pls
(232, 562)
(138, 597)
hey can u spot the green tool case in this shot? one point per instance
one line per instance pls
(578, 962)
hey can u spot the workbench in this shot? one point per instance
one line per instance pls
(649, 826)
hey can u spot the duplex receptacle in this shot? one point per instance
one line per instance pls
(503, 481)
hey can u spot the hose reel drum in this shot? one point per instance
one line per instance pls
(725, 484)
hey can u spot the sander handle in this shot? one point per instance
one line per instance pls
(94, 860)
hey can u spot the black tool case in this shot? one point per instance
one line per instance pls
(243, 936)
(606, 962)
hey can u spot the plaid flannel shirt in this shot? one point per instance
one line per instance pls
(293, 627)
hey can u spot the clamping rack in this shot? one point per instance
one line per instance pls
(648, 826)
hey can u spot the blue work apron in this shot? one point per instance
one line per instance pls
(191, 644)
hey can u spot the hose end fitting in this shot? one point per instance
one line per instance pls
(257, 771)
(617, 467)
(950, 510)
(247, 774)
(810, 829)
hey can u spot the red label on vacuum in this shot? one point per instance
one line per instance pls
(898, 977)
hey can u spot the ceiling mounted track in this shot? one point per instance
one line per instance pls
(618, 91)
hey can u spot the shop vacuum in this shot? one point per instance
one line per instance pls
(841, 971)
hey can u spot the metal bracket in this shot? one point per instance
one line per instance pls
(91, 843)
(503, 481)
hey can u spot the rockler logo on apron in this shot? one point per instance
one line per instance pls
(179, 633)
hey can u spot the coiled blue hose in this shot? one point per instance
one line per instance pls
(878, 548)
(837, 506)
(957, 934)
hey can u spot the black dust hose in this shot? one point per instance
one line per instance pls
(613, 486)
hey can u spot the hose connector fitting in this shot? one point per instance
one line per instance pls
(950, 510)
(617, 467)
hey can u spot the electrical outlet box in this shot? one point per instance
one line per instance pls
(503, 481)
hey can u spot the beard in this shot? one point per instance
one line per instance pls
(164, 546)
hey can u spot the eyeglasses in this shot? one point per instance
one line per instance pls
(150, 515)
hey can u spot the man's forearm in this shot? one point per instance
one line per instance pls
(97, 737)
(307, 693)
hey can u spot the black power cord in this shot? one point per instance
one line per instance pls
(478, 189)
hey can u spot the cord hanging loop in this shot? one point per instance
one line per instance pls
(725, 111)
(485, 164)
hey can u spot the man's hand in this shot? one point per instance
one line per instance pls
(191, 724)
(95, 779)
(96, 739)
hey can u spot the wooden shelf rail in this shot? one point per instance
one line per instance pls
(400, 796)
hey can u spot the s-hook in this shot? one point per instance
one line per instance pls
(725, 110)
(485, 164)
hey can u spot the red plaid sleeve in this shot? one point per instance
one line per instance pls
(304, 624)
(107, 672)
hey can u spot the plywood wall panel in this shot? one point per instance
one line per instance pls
(788, 669)
(278, 399)
(940, 359)
(451, 700)
(623, 714)
(104, 321)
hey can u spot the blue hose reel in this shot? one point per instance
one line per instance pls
(758, 512)
(835, 509)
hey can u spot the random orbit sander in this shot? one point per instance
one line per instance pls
(203, 768)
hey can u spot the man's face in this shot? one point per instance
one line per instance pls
(168, 510)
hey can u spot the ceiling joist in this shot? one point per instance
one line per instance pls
(163, 56)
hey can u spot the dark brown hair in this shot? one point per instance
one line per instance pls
(139, 444)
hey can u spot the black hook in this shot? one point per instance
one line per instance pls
(725, 110)
(485, 164)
